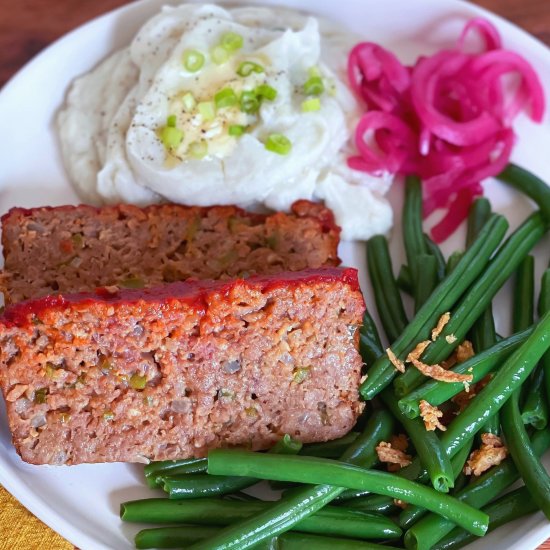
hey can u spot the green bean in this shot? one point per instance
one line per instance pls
(331, 520)
(202, 485)
(442, 299)
(483, 334)
(460, 482)
(239, 496)
(511, 506)
(530, 185)
(155, 471)
(427, 445)
(373, 503)
(173, 537)
(304, 501)
(166, 465)
(281, 485)
(544, 306)
(483, 338)
(492, 426)
(534, 475)
(176, 537)
(413, 236)
(411, 514)
(303, 469)
(483, 406)
(350, 494)
(492, 397)
(476, 300)
(370, 346)
(300, 541)
(481, 491)
(535, 409)
(330, 449)
(404, 280)
(453, 261)
(388, 300)
(436, 392)
(435, 251)
(480, 211)
(286, 446)
(524, 295)
(426, 277)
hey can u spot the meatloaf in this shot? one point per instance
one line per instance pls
(170, 372)
(75, 249)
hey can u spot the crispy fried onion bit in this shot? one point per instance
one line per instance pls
(431, 415)
(386, 453)
(443, 320)
(491, 453)
(464, 351)
(437, 372)
(397, 363)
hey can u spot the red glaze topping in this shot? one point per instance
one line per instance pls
(192, 292)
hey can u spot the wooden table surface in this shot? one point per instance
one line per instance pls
(27, 26)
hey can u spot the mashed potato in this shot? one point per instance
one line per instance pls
(207, 106)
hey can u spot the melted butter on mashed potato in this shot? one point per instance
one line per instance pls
(111, 128)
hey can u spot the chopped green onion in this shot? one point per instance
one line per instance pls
(313, 104)
(171, 121)
(219, 55)
(207, 110)
(138, 382)
(198, 149)
(132, 282)
(40, 396)
(228, 394)
(236, 130)
(314, 86)
(249, 102)
(52, 371)
(313, 72)
(232, 41)
(108, 415)
(105, 366)
(300, 374)
(78, 240)
(277, 143)
(189, 102)
(225, 98)
(193, 60)
(266, 91)
(248, 67)
(171, 137)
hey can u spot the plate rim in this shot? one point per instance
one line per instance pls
(34, 502)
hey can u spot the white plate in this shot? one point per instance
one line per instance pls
(81, 502)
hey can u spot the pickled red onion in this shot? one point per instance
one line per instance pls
(447, 118)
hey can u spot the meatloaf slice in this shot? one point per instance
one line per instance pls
(75, 249)
(171, 372)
